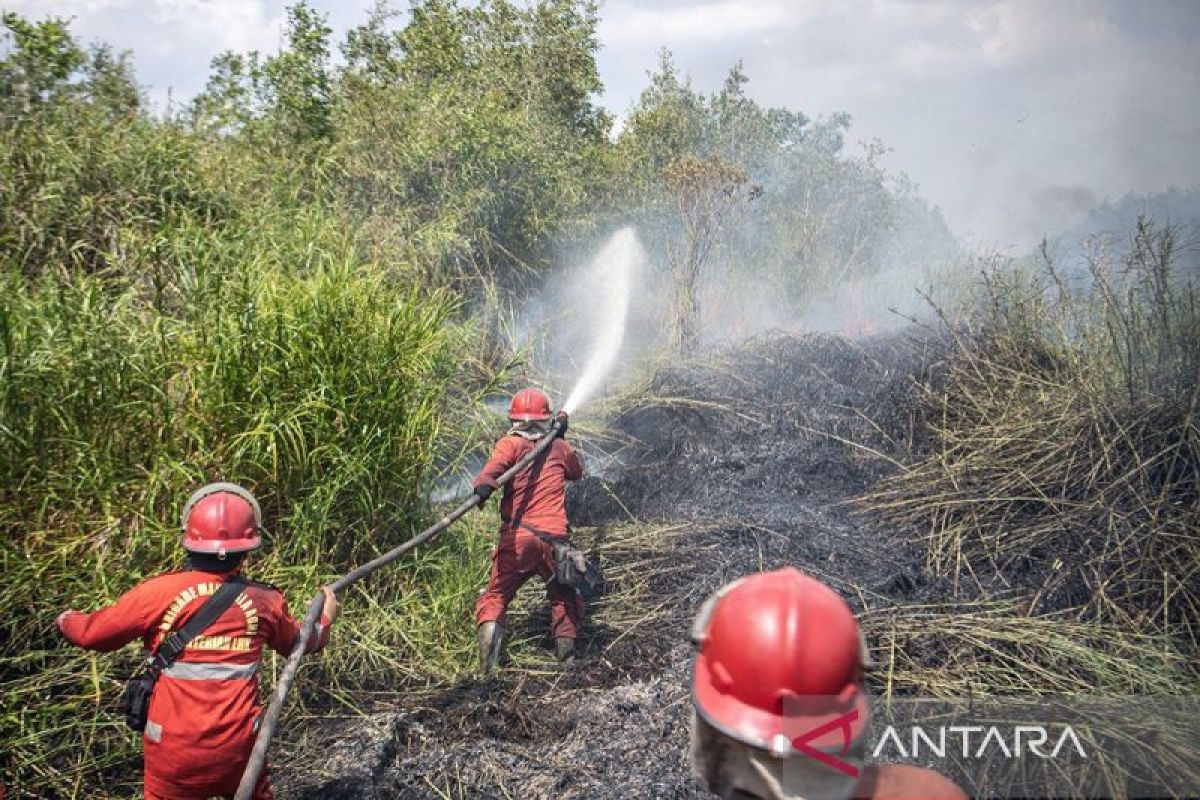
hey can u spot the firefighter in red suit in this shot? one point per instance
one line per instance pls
(533, 509)
(780, 657)
(203, 715)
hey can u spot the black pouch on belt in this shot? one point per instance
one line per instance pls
(572, 567)
(135, 704)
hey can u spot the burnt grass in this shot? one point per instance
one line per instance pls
(712, 470)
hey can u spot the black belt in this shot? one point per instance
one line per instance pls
(545, 536)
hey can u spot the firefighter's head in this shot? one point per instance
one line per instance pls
(777, 678)
(221, 523)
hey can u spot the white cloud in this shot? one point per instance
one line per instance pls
(1015, 31)
(223, 24)
(184, 25)
(925, 57)
(626, 23)
(63, 8)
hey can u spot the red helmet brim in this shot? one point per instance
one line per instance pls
(221, 545)
(759, 728)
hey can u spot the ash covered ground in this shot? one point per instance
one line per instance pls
(738, 464)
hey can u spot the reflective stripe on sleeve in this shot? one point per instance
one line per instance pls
(192, 671)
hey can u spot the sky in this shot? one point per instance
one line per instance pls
(1012, 116)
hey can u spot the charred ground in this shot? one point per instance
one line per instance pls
(711, 470)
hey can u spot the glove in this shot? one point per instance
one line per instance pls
(332, 608)
(58, 623)
(483, 492)
(562, 419)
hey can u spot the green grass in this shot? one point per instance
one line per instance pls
(175, 309)
(266, 352)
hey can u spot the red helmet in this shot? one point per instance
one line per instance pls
(529, 404)
(221, 518)
(780, 656)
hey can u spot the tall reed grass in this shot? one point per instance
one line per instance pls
(1061, 445)
(260, 348)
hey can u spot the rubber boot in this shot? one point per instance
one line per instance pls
(490, 636)
(564, 650)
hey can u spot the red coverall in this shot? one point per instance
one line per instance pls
(535, 498)
(203, 715)
(903, 782)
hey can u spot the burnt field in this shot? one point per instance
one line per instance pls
(793, 450)
(707, 472)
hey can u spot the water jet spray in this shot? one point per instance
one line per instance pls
(613, 271)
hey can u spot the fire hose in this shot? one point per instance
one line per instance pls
(270, 718)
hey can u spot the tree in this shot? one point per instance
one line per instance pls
(284, 100)
(233, 96)
(299, 78)
(705, 193)
(109, 81)
(47, 69)
(473, 130)
(829, 213)
(372, 53)
(38, 69)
